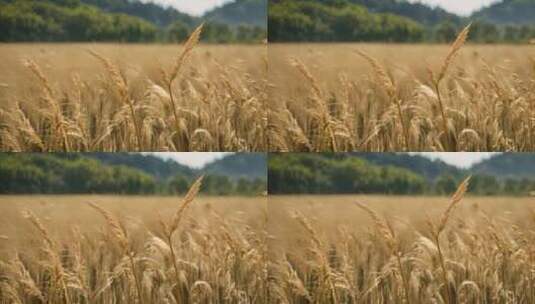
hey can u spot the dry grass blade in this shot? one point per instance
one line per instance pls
(115, 74)
(382, 75)
(382, 226)
(37, 224)
(186, 201)
(117, 230)
(455, 199)
(190, 44)
(455, 47)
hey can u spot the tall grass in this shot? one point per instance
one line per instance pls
(179, 108)
(175, 259)
(443, 252)
(449, 257)
(483, 104)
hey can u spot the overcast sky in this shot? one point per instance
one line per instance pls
(198, 7)
(199, 159)
(191, 159)
(461, 7)
(192, 7)
(459, 159)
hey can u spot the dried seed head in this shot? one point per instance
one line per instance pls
(454, 50)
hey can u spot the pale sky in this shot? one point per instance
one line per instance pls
(461, 7)
(191, 159)
(199, 159)
(198, 7)
(458, 159)
(192, 7)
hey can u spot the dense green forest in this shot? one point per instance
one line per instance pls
(154, 13)
(305, 20)
(159, 168)
(416, 11)
(333, 174)
(428, 168)
(391, 173)
(118, 173)
(509, 21)
(120, 20)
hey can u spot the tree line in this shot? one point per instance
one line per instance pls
(72, 20)
(345, 21)
(300, 20)
(48, 174)
(322, 174)
(301, 173)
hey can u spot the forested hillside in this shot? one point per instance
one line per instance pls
(332, 174)
(160, 16)
(68, 20)
(507, 21)
(305, 20)
(511, 12)
(419, 12)
(240, 165)
(124, 21)
(508, 165)
(430, 169)
(118, 173)
(240, 12)
(159, 168)
(392, 173)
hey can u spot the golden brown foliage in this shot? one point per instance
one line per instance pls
(189, 103)
(462, 252)
(217, 256)
(388, 98)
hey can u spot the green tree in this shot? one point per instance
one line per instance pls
(446, 185)
(178, 31)
(179, 184)
(484, 185)
(217, 185)
(446, 32)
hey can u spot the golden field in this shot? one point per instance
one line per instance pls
(132, 249)
(388, 97)
(281, 249)
(130, 97)
(329, 249)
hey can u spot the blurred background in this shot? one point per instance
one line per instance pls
(493, 21)
(504, 174)
(132, 173)
(241, 21)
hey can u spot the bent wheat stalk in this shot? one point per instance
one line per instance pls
(387, 232)
(391, 91)
(437, 230)
(454, 50)
(120, 235)
(171, 227)
(170, 77)
(122, 88)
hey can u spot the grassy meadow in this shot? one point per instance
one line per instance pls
(402, 97)
(402, 249)
(132, 249)
(132, 97)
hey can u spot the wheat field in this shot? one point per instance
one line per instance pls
(129, 97)
(281, 249)
(388, 97)
(116, 249)
(384, 249)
